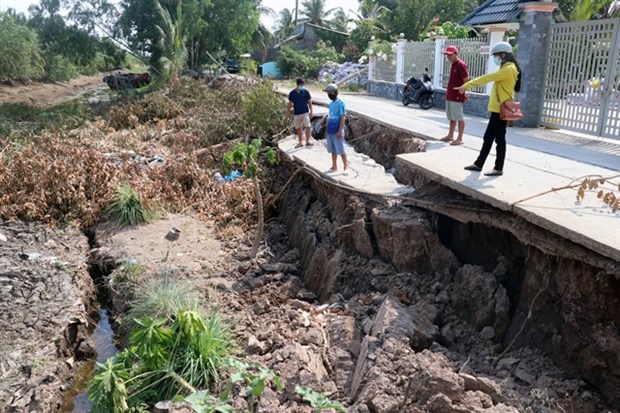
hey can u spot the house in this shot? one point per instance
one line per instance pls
(306, 37)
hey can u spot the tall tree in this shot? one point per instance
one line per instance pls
(173, 39)
(285, 24)
(262, 37)
(412, 16)
(314, 11)
(340, 21)
(372, 13)
(213, 27)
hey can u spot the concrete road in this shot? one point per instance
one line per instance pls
(538, 160)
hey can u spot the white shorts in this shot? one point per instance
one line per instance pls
(301, 121)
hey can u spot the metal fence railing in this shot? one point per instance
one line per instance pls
(582, 80)
(418, 56)
(471, 52)
(385, 69)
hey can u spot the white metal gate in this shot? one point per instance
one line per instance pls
(582, 88)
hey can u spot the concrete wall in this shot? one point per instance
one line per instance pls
(476, 106)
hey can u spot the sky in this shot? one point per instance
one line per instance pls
(276, 5)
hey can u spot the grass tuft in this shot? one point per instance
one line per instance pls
(164, 298)
(127, 208)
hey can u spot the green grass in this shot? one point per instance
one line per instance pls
(163, 298)
(127, 208)
(20, 116)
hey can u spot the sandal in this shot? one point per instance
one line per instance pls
(299, 145)
(456, 143)
(309, 144)
(473, 167)
(494, 172)
(445, 139)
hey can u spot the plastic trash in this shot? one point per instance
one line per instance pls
(232, 176)
(219, 178)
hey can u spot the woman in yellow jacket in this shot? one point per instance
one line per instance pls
(507, 81)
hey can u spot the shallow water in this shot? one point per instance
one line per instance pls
(75, 399)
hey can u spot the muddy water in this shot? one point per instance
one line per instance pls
(75, 399)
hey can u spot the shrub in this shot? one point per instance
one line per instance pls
(20, 50)
(293, 63)
(58, 68)
(263, 110)
(164, 358)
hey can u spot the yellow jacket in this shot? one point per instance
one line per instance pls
(503, 88)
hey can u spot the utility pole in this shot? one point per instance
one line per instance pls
(296, 8)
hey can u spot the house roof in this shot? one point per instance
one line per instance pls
(298, 32)
(499, 11)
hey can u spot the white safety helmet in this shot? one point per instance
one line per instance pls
(501, 47)
(332, 87)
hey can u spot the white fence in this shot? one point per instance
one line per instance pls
(582, 83)
(413, 58)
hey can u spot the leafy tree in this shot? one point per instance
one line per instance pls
(410, 17)
(361, 36)
(20, 50)
(314, 12)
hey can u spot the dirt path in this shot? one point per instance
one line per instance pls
(47, 94)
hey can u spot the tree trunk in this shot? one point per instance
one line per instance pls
(260, 225)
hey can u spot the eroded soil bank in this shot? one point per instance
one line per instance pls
(392, 305)
(46, 293)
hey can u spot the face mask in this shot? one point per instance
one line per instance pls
(497, 60)
(301, 87)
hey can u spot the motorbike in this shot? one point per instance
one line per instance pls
(419, 90)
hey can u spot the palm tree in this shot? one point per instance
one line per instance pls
(372, 11)
(597, 9)
(172, 35)
(285, 24)
(314, 12)
(340, 21)
(262, 37)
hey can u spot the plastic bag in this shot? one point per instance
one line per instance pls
(319, 127)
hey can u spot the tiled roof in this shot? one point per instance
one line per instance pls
(494, 11)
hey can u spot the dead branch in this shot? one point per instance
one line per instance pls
(569, 186)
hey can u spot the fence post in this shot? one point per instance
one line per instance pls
(372, 63)
(400, 60)
(496, 35)
(534, 30)
(439, 43)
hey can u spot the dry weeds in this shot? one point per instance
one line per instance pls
(162, 144)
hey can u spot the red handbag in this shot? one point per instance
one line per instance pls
(510, 111)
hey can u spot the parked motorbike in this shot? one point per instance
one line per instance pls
(420, 91)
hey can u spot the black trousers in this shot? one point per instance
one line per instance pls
(496, 131)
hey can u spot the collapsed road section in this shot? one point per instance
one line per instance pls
(450, 260)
